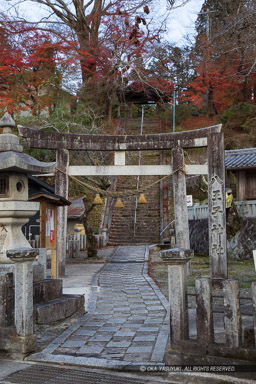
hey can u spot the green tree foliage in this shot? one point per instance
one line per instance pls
(239, 116)
(172, 63)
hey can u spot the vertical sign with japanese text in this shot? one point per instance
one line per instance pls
(217, 207)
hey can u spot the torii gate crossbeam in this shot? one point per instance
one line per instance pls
(84, 142)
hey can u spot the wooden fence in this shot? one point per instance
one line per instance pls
(78, 243)
(244, 209)
(75, 243)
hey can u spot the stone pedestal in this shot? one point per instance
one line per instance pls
(177, 260)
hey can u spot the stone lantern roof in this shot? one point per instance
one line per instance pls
(11, 156)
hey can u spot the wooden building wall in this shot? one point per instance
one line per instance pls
(246, 185)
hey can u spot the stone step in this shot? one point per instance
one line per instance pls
(140, 218)
(139, 229)
(130, 235)
(130, 225)
(138, 226)
(48, 289)
(59, 309)
(151, 229)
(139, 237)
(134, 242)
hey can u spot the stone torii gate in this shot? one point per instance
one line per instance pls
(210, 137)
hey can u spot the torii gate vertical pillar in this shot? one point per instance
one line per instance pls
(180, 199)
(217, 207)
(61, 188)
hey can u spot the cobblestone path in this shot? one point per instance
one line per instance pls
(126, 323)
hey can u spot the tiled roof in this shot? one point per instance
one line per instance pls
(38, 188)
(240, 158)
(76, 209)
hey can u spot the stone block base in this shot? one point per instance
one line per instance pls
(46, 290)
(192, 353)
(38, 272)
(59, 309)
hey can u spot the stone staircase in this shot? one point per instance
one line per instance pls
(146, 229)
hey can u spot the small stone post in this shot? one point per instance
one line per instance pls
(204, 315)
(254, 309)
(177, 259)
(77, 241)
(23, 314)
(232, 317)
(42, 259)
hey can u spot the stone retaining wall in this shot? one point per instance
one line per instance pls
(240, 247)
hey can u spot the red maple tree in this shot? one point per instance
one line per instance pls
(29, 74)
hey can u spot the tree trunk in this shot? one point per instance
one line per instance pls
(210, 103)
(91, 243)
(92, 246)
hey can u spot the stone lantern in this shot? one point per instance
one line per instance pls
(15, 209)
(16, 254)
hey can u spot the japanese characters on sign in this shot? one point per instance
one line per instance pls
(217, 225)
(50, 224)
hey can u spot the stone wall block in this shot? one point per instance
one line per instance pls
(232, 316)
(204, 315)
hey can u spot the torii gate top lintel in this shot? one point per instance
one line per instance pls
(72, 141)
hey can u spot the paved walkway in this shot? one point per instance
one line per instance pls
(126, 323)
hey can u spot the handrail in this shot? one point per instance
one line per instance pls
(167, 226)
